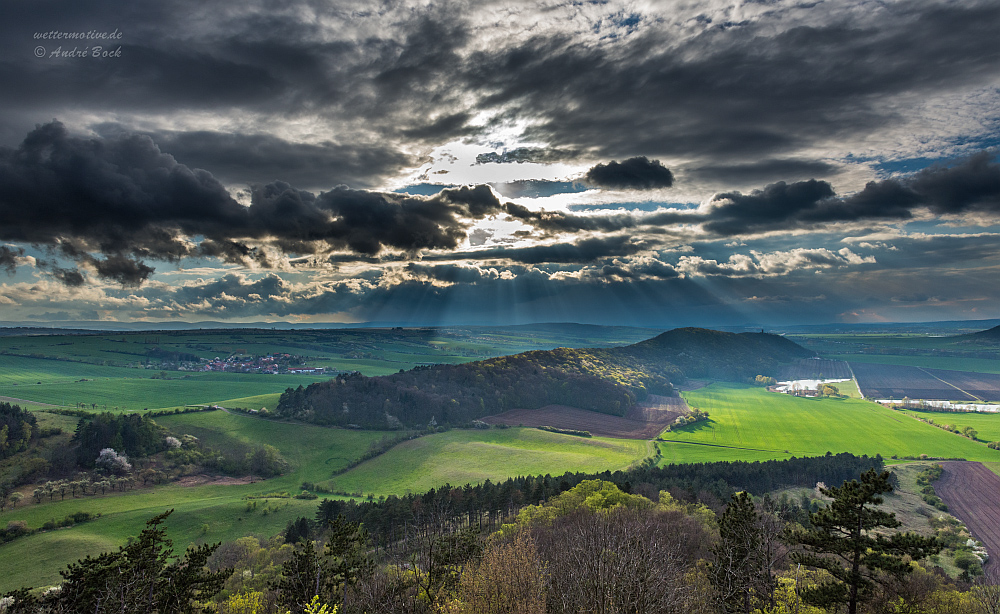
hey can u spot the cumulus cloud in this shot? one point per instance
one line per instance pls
(761, 264)
(124, 198)
(639, 173)
(971, 185)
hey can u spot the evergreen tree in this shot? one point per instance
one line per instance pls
(309, 574)
(741, 573)
(843, 542)
(303, 577)
(137, 578)
(347, 548)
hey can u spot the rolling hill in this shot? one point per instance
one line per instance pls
(606, 380)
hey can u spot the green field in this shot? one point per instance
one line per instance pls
(986, 424)
(36, 560)
(676, 453)
(461, 457)
(748, 417)
(58, 382)
(314, 452)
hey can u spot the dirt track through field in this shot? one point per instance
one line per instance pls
(14, 401)
(972, 493)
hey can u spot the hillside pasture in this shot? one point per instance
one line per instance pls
(986, 424)
(315, 452)
(202, 514)
(644, 421)
(459, 457)
(753, 418)
(207, 509)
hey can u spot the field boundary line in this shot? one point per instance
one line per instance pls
(719, 445)
(950, 384)
(17, 401)
(855, 378)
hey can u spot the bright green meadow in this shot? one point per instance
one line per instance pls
(460, 457)
(748, 417)
(987, 425)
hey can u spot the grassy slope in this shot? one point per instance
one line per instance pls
(460, 457)
(315, 453)
(987, 425)
(742, 416)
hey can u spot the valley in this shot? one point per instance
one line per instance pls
(607, 405)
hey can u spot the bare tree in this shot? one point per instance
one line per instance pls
(509, 579)
(619, 561)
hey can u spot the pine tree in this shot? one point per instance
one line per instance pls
(136, 578)
(347, 548)
(303, 577)
(843, 541)
(742, 572)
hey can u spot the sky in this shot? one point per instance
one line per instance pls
(661, 164)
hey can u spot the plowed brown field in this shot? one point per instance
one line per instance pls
(972, 493)
(644, 421)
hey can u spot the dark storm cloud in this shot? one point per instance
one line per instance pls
(775, 204)
(250, 158)
(56, 185)
(970, 186)
(126, 271)
(762, 171)
(559, 221)
(69, 277)
(738, 94)
(639, 173)
(8, 258)
(125, 198)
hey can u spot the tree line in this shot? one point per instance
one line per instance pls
(590, 548)
(488, 504)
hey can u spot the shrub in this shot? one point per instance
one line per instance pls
(965, 560)
(112, 462)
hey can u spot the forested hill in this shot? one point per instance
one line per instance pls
(609, 380)
(991, 335)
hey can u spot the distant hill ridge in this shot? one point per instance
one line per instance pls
(606, 380)
(989, 335)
